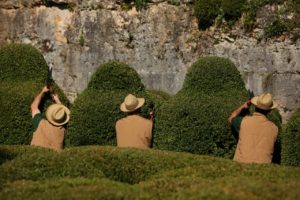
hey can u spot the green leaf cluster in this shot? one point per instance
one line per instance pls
(208, 10)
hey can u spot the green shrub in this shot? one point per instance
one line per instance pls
(195, 119)
(291, 141)
(115, 76)
(22, 63)
(23, 74)
(232, 9)
(123, 173)
(206, 11)
(276, 28)
(72, 188)
(97, 109)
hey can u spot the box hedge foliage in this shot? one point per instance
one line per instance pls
(97, 108)
(195, 119)
(121, 173)
(291, 141)
(23, 74)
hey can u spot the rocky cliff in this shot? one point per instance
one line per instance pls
(160, 41)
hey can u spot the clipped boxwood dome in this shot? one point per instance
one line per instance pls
(195, 119)
(22, 62)
(116, 76)
(97, 108)
(291, 141)
(18, 87)
(213, 74)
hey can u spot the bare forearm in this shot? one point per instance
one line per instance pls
(36, 102)
(237, 111)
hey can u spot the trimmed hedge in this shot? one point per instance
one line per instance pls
(23, 74)
(291, 141)
(23, 63)
(114, 75)
(97, 108)
(104, 172)
(195, 119)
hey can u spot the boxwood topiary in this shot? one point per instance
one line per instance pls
(115, 76)
(291, 141)
(97, 109)
(22, 62)
(195, 120)
(23, 74)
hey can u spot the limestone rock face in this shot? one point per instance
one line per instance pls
(160, 42)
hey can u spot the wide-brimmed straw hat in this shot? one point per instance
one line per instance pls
(131, 103)
(264, 101)
(58, 114)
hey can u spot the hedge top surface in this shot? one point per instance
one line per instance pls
(22, 62)
(213, 74)
(114, 75)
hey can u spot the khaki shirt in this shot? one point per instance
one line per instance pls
(256, 140)
(48, 136)
(134, 131)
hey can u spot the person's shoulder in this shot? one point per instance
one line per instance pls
(273, 125)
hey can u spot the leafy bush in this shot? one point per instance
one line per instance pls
(206, 12)
(23, 63)
(23, 74)
(97, 109)
(115, 76)
(276, 28)
(232, 9)
(291, 141)
(96, 172)
(194, 120)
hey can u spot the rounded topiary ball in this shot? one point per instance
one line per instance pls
(22, 62)
(213, 74)
(291, 141)
(115, 75)
(23, 74)
(97, 108)
(195, 119)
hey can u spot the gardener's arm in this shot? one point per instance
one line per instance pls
(237, 111)
(37, 100)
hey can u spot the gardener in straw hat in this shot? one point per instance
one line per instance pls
(134, 130)
(257, 134)
(49, 132)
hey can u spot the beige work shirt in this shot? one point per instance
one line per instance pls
(48, 136)
(134, 131)
(256, 140)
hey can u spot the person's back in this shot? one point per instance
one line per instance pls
(49, 132)
(256, 140)
(48, 136)
(256, 134)
(134, 130)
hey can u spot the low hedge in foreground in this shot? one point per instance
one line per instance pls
(104, 172)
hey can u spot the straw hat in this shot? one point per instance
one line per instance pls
(131, 103)
(264, 101)
(58, 114)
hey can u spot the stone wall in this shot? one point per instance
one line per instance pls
(160, 42)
